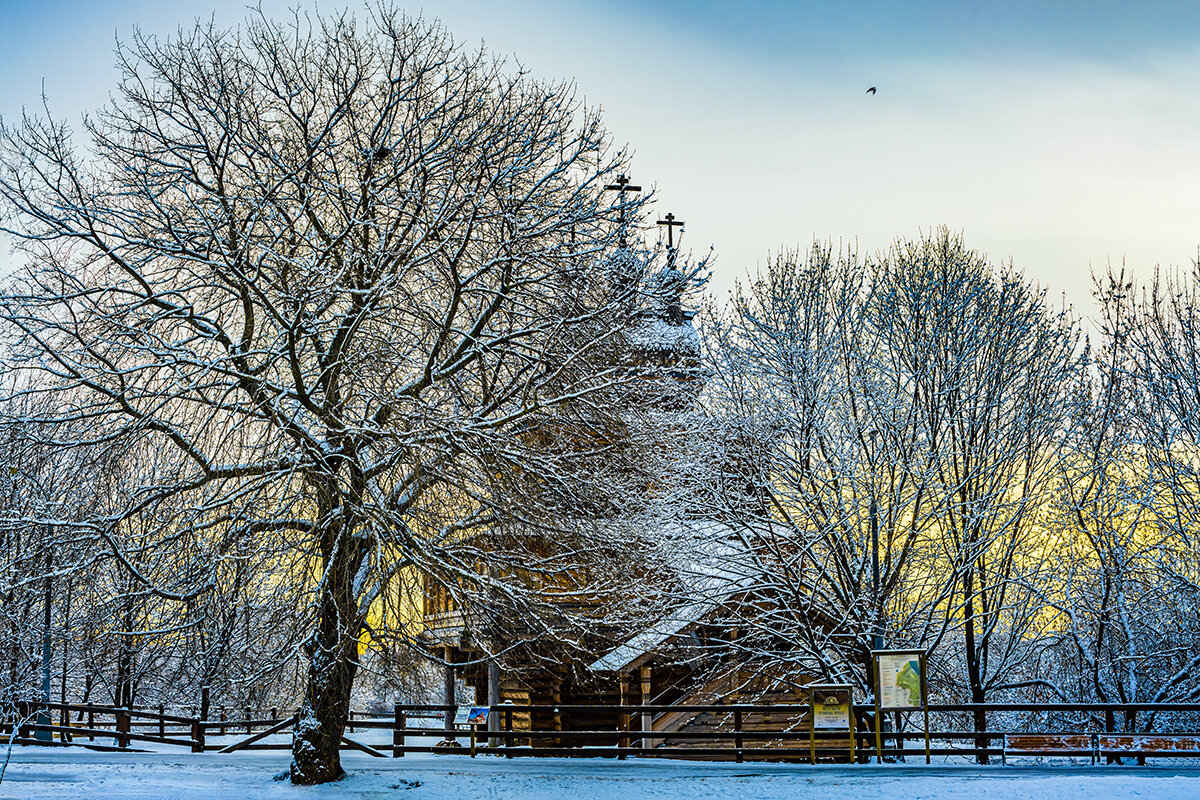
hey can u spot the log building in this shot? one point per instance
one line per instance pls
(688, 656)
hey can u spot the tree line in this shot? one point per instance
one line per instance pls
(933, 454)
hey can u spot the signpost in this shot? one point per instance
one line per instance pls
(899, 686)
(830, 710)
(477, 718)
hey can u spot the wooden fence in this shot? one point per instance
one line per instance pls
(734, 731)
(101, 727)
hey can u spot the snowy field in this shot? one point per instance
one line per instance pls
(75, 774)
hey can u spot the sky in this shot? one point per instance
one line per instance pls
(1061, 134)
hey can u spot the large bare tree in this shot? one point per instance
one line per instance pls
(992, 366)
(801, 367)
(350, 277)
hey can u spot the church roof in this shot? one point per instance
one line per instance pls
(657, 334)
(710, 562)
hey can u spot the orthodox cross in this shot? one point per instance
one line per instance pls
(621, 187)
(674, 305)
(671, 224)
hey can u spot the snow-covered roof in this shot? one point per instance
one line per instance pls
(708, 555)
(657, 334)
(654, 636)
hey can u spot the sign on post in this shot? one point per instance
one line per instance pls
(477, 717)
(900, 679)
(899, 686)
(831, 709)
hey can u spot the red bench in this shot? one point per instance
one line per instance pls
(1049, 744)
(1178, 745)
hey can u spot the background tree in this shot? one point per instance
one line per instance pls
(800, 369)
(1127, 502)
(337, 269)
(917, 398)
(991, 369)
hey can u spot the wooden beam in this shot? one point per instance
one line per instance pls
(274, 729)
(365, 748)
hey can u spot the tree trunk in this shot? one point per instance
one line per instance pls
(333, 661)
(974, 668)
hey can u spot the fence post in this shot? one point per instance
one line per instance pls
(222, 719)
(624, 741)
(162, 723)
(23, 713)
(1110, 726)
(197, 736)
(398, 726)
(65, 721)
(122, 728)
(737, 727)
(246, 711)
(91, 722)
(508, 740)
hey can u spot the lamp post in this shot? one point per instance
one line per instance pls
(877, 641)
(45, 734)
(877, 605)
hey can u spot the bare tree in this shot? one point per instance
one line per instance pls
(909, 410)
(801, 369)
(342, 271)
(1128, 498)
(991, 367)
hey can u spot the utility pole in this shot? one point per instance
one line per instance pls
(876, 601)
(878, 641)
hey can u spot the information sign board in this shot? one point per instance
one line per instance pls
(470, 715)
(830, 708)
(901, 683)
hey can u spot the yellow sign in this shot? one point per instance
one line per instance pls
(830, 708)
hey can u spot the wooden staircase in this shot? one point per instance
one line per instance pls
(716, 690)
(720, 690)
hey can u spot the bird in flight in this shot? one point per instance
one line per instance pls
(871, 90)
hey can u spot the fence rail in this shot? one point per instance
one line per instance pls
(730, 731)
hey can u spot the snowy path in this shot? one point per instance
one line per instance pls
(59, 774)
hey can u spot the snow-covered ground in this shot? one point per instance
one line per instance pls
(75, 774)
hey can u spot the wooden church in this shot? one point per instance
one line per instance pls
(686, 656)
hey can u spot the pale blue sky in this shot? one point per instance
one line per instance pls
(1062, 134)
